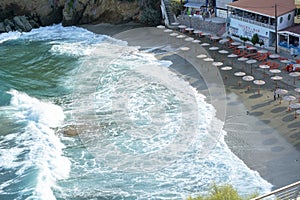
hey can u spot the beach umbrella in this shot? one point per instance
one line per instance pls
(226, 68)
(297, 112)
(217, 64)
(276, 78)
(184, 48)
(262, 51)
(295, 106)
(223, 41)
(235, 43)
(208, 59)
(223, 52)
(197, 32)
(259, 83)
(239, 74)
(189, 39)
(231, 56)
(252, 61)
(206, 34)
(274, 56)
(241, 47)
(248, 79)
(180, 36)
(201, 56)
(196, 41)
(294, 75)
(160, 27)
(242, 59)
(205, 44)
(213, 48)
(298, 90)
(280, 92)
(275, 71)
(168, 31)
(289, 98)
(174, 34)
(264, 67)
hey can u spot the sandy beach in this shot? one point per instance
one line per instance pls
(260, 131)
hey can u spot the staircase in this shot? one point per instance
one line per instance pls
(167, 13)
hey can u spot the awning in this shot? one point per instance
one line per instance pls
(193, 5)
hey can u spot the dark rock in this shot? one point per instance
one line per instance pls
(70, 131)
(8, 28)
(8, 22)
(2, 27)
(34, 24)
(26, 23)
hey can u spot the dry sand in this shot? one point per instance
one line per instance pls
(260, 131)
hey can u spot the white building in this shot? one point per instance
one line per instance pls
(262, 17)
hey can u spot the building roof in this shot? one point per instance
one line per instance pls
(295, 30)
(194, 5)
(265, 7)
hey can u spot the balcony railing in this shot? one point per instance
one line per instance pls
(250, 21)
(289, 192)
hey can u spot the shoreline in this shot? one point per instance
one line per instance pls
(269, 142)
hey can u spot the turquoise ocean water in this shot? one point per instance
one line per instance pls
(144, 133)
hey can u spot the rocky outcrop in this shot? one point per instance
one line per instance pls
(23, 15)
(110, 11)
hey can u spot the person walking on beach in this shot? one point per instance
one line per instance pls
(274, 94)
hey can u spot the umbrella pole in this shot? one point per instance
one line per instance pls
(295, 114)
(258, 89)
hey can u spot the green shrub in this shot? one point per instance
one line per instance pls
(223, 192)
(255, 39)
(176, 7)
(150, 17)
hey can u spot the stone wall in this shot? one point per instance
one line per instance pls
(207, 25)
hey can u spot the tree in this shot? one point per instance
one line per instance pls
(255, 39)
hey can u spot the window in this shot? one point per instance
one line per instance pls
(289, 17)
(281, 20)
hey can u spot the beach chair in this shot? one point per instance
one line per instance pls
(274, 65)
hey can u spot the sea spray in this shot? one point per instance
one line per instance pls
(41, 149)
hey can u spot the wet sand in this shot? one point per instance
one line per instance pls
(260, 131)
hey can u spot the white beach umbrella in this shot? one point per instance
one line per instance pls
(223, 52)
(217, 64)
(208, 59)
(213, 48)
(196, 41)
(281, 92)
(262, 51)
(252, 61)
(276, 79)
(239, 74)
(205, 44)
(201, 56)
(289, 98)
(226, 68)
(223, 41)
(168, 31)
(184, 48)
(275, 71)
(232, 56)
(235, 43)
(174, 34)
(295, 106)
(259, 83)
(298, 90)
(264, 67)
(180, 36)
(294, 75)
(248, 79)
(189, 39)
(160, 27)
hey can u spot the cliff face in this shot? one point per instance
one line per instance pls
(69, 12)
